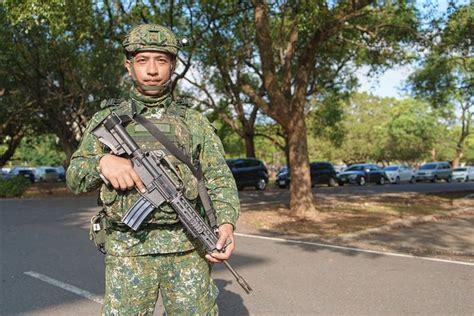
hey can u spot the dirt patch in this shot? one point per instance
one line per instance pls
(54, 189)
(338, 216)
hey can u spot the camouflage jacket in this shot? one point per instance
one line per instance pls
(190, 131)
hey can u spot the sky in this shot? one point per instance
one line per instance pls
(389, 84)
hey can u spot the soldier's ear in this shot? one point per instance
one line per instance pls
(128, 65)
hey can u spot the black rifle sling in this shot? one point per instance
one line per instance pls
(197, 171)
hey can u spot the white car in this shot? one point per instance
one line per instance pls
(463, 174)
(399, 173)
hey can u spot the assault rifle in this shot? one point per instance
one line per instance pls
(153, 169)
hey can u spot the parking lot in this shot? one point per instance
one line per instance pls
(49, 267)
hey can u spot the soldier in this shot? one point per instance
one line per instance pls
(160, 256)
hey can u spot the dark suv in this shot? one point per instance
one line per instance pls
(248, 172)
(321, 173)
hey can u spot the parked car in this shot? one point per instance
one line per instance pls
(399, 173)
(249, 172)
(46, 174)
(434, 171)
(321, 173)
(463, 174)
(361, 174)
(61, 173)
(21, 172)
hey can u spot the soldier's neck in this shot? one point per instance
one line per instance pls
(161, 100)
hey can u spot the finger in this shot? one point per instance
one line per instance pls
(212, 259)
(138, 182)
(122, 184)
(129, 182)
(220, 256)
(114, 183)
(222, 240)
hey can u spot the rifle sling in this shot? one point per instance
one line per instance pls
(196, 170)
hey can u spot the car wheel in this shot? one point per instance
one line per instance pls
(398, 180)
(261, 184)
(449, 179)
(435, 178)
(467, 179)
(382, 181)
(332, 182)
(341, 184)
(412, 180)
(361, 181)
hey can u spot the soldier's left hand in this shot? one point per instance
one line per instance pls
(226, 231)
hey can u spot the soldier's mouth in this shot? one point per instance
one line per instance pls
(152, 83)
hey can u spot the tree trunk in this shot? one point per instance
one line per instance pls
(68, 146)
(433, 154)
(12, 145)
(459, 152)
(301, 195)
(249, 145)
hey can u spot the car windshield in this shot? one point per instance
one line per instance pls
(428, 166)
(354, 168)
(391, 168)
(460, 169)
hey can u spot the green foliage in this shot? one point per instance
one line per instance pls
(13, 187)
(42, 150)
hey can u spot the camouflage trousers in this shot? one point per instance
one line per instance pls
(132, 285)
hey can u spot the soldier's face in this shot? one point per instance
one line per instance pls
(150, 69)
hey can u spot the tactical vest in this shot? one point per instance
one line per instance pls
(171, 121)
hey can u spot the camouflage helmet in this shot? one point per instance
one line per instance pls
(150, 37)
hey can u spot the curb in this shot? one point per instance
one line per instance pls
(400, 223)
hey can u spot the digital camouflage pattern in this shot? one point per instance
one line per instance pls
(132, 285)
(151, 37)
(191, 132)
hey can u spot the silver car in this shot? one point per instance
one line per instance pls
(463, 174)
(399, 173)
(434, 171)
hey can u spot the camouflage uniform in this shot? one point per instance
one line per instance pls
(160, 255)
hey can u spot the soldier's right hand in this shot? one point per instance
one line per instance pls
(120, 173)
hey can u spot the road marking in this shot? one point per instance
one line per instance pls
(393, 254)
(65, 286)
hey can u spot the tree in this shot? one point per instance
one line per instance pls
(63, 67)
(445, 78)
(302, 50)
(412, 131)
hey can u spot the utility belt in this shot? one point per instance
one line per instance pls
(101, 223)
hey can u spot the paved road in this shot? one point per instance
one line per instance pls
(47, 238)
(273, 195)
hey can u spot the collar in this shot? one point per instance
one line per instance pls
(143, 102)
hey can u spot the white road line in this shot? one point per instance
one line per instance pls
(65, 286)
(393, 254)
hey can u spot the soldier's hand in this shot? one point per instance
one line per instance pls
(226, 231)
(120, 173)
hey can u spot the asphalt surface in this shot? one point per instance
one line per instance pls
(45, 250)
(274, 195)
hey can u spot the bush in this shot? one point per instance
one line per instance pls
(13, 187)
